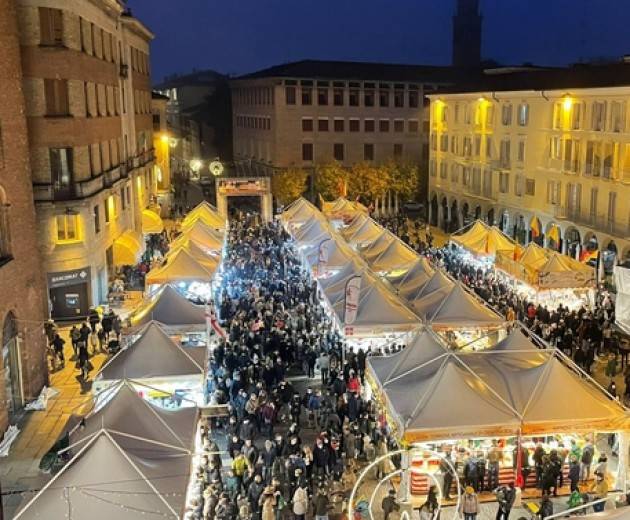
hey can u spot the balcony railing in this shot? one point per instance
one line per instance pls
(595, 221)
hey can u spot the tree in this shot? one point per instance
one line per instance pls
(288, 185)
(331, 180)
(367, 182)
(403, 180)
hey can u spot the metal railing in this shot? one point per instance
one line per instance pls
(597, 221)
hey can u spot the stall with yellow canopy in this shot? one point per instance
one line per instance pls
(127, 249)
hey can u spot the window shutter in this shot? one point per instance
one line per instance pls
(57, 26)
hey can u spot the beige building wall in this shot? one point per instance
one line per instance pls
(561, 157)
(88, 99)
(270, 130)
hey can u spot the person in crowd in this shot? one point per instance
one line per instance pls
(469, 504)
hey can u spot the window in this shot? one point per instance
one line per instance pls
(489, 153)
(338, 97)
(504, 182)
(383, 98)
(467, 146)
(383, 125)
(56, 94)
(433, 142)
(593, 205)
(398, 150)
(354, 125)
(399, 125)
(592, 164)
(530, 187)
(598, 119)
(574, 198)
(368, 125)
(413, 99)
(307, 151)
(97, 219)
(289, 95)
(61, 167)
(523, 114)
(322, 125)
(307, 125)
(432, 170)
(67, 227)
(50, 26)
(443, 170)
(506, 115)
(368, 98)
(571, 156)
(322, 96)
(455, 173)
(110, 204)
(307, 96)
(520, 152)
(413, 126)
(338, 125)
(618, 116)
(368, 152)
(399, 98)
(504, 156)
(353, 98)
(123, 202)
(456, 113)
(477, 148)
(466, 176)
(612, 205)
(577, 115)
(338, 151)
(454, 145)
(487, 183)
(553, 192)
(444, 143)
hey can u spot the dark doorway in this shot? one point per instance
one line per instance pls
(69, 302)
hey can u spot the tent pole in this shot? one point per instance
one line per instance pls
(518, 477)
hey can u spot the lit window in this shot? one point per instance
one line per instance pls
(523, 114)
(67, 228)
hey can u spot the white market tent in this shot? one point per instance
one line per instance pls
(362, 231)
(115, 476)
(315, 230)
(481, 239)
(412, 279)
(203, 235)
(499, 392)
(342, 208)
(209, 261)
(207, 214)
(339, 253)
(121, 408)
(564, 272)
(180, 266)
(375, 248)
(392, 258)
(154, 355)
(297, 213)
(171, 309)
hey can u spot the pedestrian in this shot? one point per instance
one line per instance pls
(300, 502)
(505, 499)
(389, 504)
(469, 505)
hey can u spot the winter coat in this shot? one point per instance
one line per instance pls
(300, 501)
(469, 504)
(268, 507)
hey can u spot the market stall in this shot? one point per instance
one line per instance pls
(409, 279)
(483, 240)
(342, 210)
(155, 478)
(328, 255)
(390, 260)
(203, 236)
(504, 397)
(297, 214)
(156, 360)
(179, 268)
(362, 231)
(207, 214)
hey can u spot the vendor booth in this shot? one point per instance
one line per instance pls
(409, 279)
(203, 236)
(390, 260)
(483, 240)
(206, 214)
(328, 255)
(128, 408)
(342, 210)
(127, 249)
(362, 231)
(470, 403)
(297, 214)
(155, 360)
(179, 267)
(209, 261)
(171, 309)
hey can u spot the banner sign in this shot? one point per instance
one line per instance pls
(322, 256)
(351, 306)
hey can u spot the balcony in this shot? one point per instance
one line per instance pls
(597, 222)
(111, 176)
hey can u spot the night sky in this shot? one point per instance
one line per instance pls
(239, 36)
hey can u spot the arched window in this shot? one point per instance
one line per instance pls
(5, 231)
(10, 365)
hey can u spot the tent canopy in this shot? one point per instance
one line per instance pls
(481, 239)
(205, 213)
(396, 254)
(299, 211)
(342, 207)
(170, 308)
(126, 249)
(413, 279)
(181, 266)
(203, 235)
(315, 230)
(562, 271)
(500, 390)
(113, 476)
(205, 259)
(151, 222)
(374, 249)
(127, 412)
(363, 232)
(339, 252)
(153, 354)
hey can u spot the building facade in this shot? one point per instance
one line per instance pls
(312, 112)
(88, 104)
(23, 309)
(162, 142)
(550, 163)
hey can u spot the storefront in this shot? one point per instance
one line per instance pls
(69, 293)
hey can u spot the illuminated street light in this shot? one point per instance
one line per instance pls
(567, 102)
(195, 165)
(164, 138)
(216, 168)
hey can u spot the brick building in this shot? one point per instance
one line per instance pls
(23, 302)
(88, 104)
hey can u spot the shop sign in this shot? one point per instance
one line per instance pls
(65, 278)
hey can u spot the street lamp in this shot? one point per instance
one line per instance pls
(195, 165)
(216, 168)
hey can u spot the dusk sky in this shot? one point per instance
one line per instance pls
(240, 36)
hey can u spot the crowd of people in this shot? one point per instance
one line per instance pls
(291, 442)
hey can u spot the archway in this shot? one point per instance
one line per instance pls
(245, 187)
(11, 366)
(553, 236)
(434, 211)
(445, 217)
(505, 222)
(477, 212)
(519, 232)
(535, 231)
(491, 220)
(455, 223)
(465, 213)
(573, 241)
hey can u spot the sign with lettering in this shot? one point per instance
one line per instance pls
(65, 278)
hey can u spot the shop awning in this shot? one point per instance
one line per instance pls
(170, 308)
(179, 267)
(153, 355)
(113, 476)
(151, 222)
(127, 249)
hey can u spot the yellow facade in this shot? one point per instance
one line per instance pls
(546, 163)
